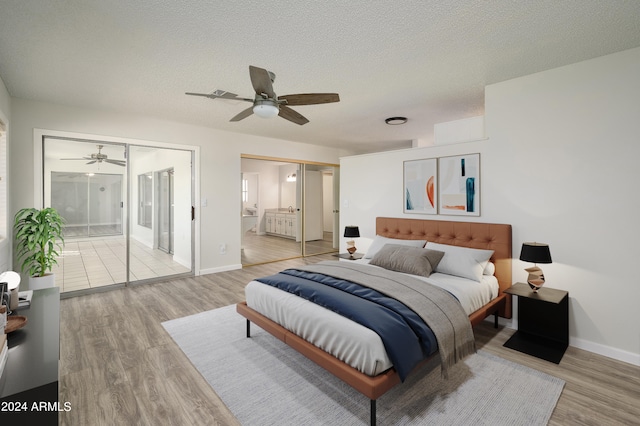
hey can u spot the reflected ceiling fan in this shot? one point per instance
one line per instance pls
(266, 104)
(99, 157)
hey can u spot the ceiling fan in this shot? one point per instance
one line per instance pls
(266, 104)
(99, 157)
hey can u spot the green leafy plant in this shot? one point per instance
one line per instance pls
(38, 235)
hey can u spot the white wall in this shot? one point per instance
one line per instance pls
(560, 164)
(288, 190)
(5, 209)
(219, 168)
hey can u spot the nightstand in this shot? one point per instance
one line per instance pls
(347, 256)
(543, 322)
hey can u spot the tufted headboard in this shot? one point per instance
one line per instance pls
(492, 236)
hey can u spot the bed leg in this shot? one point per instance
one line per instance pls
(248, 328)
(495, 320)
(373, 412)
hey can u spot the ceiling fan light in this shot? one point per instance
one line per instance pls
(265, 109)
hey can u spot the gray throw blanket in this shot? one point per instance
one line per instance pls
(437, 307)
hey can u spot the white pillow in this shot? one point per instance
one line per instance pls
(490, 269)
(380, 241)
(462, 261)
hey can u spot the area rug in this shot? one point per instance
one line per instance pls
(265, 382)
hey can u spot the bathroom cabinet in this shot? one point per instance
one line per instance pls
(281, 224)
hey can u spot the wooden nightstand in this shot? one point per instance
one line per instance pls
(347, 256)
(543, 322)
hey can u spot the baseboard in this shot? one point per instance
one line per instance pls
(608, 351)
(184, 262)
(146, 243)
(596, 348)
(220, 269)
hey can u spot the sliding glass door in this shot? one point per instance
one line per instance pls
(127, 209)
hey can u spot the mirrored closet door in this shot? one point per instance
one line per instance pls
(288, 209)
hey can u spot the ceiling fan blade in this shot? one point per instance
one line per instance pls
(116, 162)
(261, 81)
(243, 114)
(310, 98)
(75, 158)
(291, 115)
(91, 162)
(223, 95)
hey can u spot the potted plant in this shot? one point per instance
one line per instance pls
(38, 236)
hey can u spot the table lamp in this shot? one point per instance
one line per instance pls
(535, 253)
(12, 280)
(351, 232)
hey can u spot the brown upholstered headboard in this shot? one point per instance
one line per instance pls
(492, 236)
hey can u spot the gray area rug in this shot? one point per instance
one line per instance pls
(265, 382)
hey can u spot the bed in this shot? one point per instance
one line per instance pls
(360, 363)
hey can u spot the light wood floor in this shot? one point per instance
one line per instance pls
(118, 366)
(268, 248)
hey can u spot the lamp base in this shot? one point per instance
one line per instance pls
(535, 278)
(351, 250)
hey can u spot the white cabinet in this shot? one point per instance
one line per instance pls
(270, 223)
(281, 224)
(290, 226)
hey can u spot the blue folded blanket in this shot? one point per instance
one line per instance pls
(406, 338)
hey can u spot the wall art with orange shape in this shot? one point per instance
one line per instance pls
(421, 186)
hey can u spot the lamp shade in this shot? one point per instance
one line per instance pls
(265, 109)
(535, 253)
(351, 232)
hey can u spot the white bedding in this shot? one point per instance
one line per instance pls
(349, 341)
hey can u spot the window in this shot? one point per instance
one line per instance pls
(245, 190)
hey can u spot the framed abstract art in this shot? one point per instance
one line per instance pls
(459, 185)
(420, 186)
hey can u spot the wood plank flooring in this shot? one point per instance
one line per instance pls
(118, 366)
(258, 249)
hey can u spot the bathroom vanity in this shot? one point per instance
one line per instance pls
(281, 222)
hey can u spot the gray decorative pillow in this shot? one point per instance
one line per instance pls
(380, 241)
(411, 260)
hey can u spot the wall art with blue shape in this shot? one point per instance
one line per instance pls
(459, 185)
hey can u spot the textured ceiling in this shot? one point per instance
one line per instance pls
(427, 60)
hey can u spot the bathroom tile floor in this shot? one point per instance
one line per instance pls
(97, 262)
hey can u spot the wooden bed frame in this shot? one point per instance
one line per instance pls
(495, 237)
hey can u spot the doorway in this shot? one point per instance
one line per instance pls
(321, 221)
